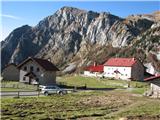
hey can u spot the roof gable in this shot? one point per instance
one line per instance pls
(45, 64)
(121, 62)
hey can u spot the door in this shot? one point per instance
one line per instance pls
(30, 80)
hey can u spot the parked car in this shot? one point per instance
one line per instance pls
(48, 90)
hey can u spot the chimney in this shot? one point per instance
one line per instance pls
(94, 63)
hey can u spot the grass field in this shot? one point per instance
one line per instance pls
(87, 105)
(99, 83)
(90, 105)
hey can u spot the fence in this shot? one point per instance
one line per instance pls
(20, 93)
(17, 85)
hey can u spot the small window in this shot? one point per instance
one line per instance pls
(124, 69)
(126, 74)
(31, 68)
(37, 69)
(37, 79)
(24, 78)
(25, 68)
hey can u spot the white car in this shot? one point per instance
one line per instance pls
(48, 90)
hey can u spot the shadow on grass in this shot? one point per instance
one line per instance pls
(84, 88)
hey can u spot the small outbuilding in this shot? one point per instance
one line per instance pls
(94, 71)
(10, 73)
(154, 86)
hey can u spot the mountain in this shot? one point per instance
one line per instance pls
(72, 38)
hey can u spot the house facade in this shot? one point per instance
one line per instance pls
(154, 86)
(10, 72)
(94, 71)
(124, 68)
(37, 71)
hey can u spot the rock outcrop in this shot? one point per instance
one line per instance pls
(70, 35)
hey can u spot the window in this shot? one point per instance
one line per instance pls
(31, 68)
(24, 78)
(124, 69)
(25, 68)
(37, 79)
(37, 69)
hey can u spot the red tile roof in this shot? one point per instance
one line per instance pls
(47, 65)
(126, 62)
(92, 68)
(152, 78)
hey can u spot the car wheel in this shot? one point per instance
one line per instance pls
(61, 93)
(46, 93)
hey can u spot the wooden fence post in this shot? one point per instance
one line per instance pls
(38, 93)
(18, 94)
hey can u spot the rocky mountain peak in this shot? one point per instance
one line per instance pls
(71, 9)
(71, 35)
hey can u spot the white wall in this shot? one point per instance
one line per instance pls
(155, 88)
(125, 72)
(93, 74)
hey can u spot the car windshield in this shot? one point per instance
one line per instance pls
(57, 87)
(52, 87)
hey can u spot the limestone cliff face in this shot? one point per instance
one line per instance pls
(71, 34)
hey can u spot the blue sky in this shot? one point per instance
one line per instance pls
(15, 14)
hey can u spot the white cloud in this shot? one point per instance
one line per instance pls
(10, 16)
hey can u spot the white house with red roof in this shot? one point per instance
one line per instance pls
(124, 68)
(94, 70)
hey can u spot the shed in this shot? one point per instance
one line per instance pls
(11, 72)
(154, 86)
